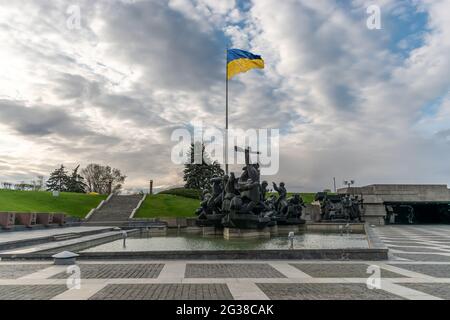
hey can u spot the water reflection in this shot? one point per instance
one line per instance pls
(178, 241)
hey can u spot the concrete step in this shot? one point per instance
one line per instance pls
(20, 239)
(118, 208)
(66, 236)
(75, 245)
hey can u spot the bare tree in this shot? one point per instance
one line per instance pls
(102, 179)
(23, 186)
(7, 185)
(38, 184)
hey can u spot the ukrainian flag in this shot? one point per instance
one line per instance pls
(241, 61)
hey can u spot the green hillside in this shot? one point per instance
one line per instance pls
(78, 205)
(74, 204)
(170, 205)
(167, 205)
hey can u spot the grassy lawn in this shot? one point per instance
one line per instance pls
(167, 205)
(74, 204)
(78, 205)
(307, 197)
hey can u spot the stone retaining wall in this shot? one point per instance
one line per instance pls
(295, 254)
(376, 195)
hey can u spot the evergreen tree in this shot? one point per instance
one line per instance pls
(58, 180)
(75, 182)
(198, 175)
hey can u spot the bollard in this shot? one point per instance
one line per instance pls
(124, 237)
(291, 239)
(65, 258)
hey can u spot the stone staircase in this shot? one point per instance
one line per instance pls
(117, 208)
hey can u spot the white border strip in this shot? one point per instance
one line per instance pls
(137, 207)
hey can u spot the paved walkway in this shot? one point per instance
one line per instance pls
(12, 236)
(419, 268)
(58, 246)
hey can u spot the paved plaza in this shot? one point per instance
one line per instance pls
(11, 237)
(418, 268)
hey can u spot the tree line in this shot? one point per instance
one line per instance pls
(94, 178)
(34, 185)
(105, 180)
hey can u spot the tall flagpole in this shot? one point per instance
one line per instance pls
(226, 112)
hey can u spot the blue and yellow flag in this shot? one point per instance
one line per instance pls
(241, 61)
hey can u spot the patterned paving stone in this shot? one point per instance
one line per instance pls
(442, 242)
(440, 290)
(19, 270)
(412, 242)
(331, 270)
(434, 270)
(164, 292)
(232, 270)
(116, 271)
(423, 257)
(406, 243)
(323, 291)
(414, 249)
(416, 238)
(30, 292)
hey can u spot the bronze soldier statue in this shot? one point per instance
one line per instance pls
(264, 185)
(282, 193)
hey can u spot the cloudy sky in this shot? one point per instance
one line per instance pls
(351, 103)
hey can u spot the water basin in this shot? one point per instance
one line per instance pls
(186, 242)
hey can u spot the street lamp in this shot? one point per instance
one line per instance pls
(349, 183)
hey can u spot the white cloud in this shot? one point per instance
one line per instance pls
(348, 105)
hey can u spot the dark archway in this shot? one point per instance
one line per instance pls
(417, 213)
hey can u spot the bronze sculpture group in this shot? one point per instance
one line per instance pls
(244, 202)
(340, 207)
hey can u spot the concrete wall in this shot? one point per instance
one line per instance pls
(379, 193)
(374, 213)
(311, 212)
(376, 195)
